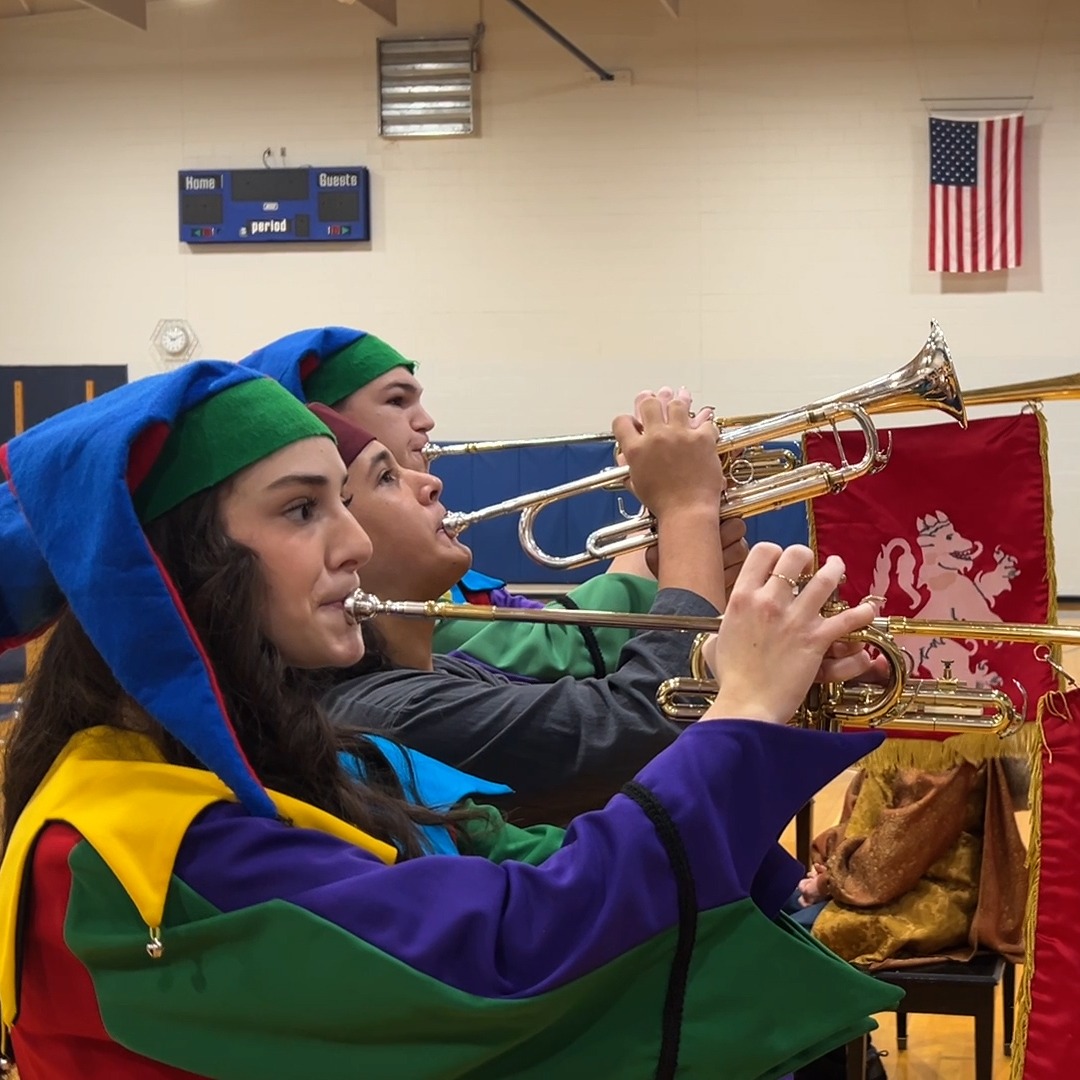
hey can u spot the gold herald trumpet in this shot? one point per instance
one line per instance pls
(943, 705)
(927, 381)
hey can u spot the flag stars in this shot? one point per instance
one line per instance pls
(954, 152)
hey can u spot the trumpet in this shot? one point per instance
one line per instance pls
(927, 381)
(1057, 388)
(942, 705)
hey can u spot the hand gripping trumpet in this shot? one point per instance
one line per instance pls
(942, 705)
(927, 381)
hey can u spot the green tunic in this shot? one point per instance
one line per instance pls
(547, 652)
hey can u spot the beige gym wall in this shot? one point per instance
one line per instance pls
(748, 216)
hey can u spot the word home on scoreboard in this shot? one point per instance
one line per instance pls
(260, 206)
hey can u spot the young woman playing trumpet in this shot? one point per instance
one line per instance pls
(194, 884)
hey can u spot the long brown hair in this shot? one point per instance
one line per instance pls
(291, 745)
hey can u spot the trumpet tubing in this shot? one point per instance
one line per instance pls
(362, 606)
(939, 705)
(1057, 388)
(1032, 633)
(744, 467)
(432, 451)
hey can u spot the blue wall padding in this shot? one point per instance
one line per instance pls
(478, 480)
(49, 388)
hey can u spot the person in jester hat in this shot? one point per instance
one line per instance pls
(192, 883)
(375, 387)
(565, 746)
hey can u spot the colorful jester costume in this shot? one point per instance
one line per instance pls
(160, 921)
(328, 365)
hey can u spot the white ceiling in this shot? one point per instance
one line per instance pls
(131, 11)
(11, 9)
(134, 11)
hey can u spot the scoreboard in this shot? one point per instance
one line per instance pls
(273, 206)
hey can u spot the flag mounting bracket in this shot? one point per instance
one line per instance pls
(989, 104)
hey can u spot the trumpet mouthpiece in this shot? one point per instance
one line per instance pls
(361, 606)
(455, 523)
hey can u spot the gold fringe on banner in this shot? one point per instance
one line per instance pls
(1031, 914)
(1048, 530)
(1034, 854)
(932, 756)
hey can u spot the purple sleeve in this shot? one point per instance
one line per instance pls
(512, 930)
(508, 676)
(502, 598)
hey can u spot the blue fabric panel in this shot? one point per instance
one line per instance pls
(473, 481)
(13, 666)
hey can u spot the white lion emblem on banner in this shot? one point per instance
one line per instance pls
(954, 593)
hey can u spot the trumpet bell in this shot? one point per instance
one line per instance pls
(927, 380)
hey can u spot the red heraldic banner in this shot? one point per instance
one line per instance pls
(955, 527)
(1048, 1032)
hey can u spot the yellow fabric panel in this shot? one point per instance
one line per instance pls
(134, 810)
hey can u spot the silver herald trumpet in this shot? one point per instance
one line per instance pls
(927, 381)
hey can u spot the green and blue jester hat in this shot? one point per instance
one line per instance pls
(326, 365)
(81, 486)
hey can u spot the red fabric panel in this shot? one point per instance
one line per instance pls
(954, 527)
(145, 452)
(1053, 1039)
(308, 364)
(59, 1033)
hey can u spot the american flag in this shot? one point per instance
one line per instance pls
(975, 193)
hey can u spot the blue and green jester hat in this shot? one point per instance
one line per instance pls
(326, 365)
(81, 485)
